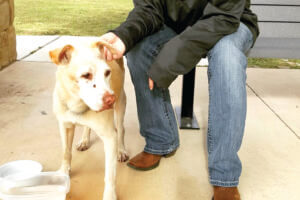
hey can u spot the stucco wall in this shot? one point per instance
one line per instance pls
(7, 33)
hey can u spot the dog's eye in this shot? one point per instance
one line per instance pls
(107, 73)
(88, 76)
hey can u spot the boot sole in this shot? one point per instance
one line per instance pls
(170, 154)
(144, 168)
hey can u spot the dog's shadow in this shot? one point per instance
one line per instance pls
(85, 161)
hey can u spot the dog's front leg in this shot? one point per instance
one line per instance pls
(110, 149)
(84, 143)
(120, 107)
(67, 134)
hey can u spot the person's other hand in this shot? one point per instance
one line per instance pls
(116, 43)
(151, 84)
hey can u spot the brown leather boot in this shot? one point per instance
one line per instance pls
(146, 161)
(226, 193)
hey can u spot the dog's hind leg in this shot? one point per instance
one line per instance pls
(67, 134)
(119, 116)
(110, 149)
(84, 143)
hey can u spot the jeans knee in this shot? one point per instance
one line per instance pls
(133, 53)
(131, 57)
(227, 60)
(227, 72)
(136, 63)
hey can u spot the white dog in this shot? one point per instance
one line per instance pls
(89, 91)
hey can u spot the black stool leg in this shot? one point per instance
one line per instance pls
(185, 115)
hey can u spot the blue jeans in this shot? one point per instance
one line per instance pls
(227, 102)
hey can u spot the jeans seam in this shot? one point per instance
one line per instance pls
(224, 183)
(169, 150)
(167, 111)
(250, 39)
(209, 138)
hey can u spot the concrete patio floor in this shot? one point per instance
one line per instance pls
(270, 150)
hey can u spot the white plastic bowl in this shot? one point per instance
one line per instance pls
(43, 186)
(20, 166)
(18, 173)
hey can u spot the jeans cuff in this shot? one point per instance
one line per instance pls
(224, 183)
(161, 152)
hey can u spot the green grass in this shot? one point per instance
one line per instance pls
(69, 17)
(274, 63)
(92, 18)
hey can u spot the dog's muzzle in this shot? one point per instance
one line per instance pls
(108, 101)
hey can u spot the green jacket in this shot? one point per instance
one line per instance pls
(200, 24)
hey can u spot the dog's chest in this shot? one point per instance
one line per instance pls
(96, 121)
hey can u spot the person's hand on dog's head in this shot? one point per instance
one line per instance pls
(116, 43)
(119, 50)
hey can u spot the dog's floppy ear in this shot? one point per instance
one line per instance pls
(62, 55)
(100, 44)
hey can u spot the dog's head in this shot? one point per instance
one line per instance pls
(85, 74)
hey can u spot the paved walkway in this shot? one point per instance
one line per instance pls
(270, 150)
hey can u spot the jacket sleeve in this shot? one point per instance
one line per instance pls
(146, 18)
(183, 52)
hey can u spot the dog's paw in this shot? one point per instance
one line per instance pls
(122, 155)
(83, 145)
